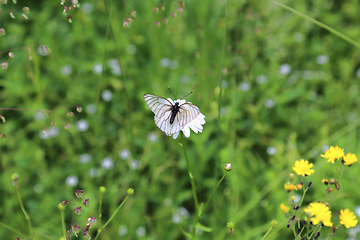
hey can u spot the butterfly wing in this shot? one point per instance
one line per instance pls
(161, 107)
(187, 113)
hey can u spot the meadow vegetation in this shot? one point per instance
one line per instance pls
(275, 87)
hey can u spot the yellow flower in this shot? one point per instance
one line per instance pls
(333, 153)
(303, 168)
(289, 187)
(284, 208)
(349, 159)
(348, 218)
(320, 213)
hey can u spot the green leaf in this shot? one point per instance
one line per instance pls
(202, 227)
(186, 234)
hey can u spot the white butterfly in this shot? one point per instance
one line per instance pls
(175, 116)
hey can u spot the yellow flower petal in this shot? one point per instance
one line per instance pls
(333, 153)
(303, 168)
(347, 218)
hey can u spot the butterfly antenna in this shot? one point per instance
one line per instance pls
(171, 92)
(187, 94)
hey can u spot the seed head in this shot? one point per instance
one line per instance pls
(78, 210)
(79, 194)
(86, 202)
(75, 229)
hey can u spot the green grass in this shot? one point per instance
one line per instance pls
(216, 48)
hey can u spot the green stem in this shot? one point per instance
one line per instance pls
(100, 214)
(23, 210)
(10, 228)
(212, 193)
(192, 186)
(267, 233)
(319, 24)
(63, 223)
(112, 216)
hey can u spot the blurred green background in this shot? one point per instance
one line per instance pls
(289, 89)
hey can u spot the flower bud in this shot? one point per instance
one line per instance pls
(130, 192)
(11, 54)
(332, 180)
(231, 227)
(61, 207)
(79, 109)
(329, 190)
(102, 189)
(3, 135)
(2, 31)
(2, 118)
(157, 24)
(182, 4)
(173, 15)
(228, 167)
(291, 177)
(162, 7)
(26, 9)
(14, 176)
(273, 223)
(67, 127)
(24, 16)
(53, 123)
(133, 13)
(337, 185)
(12, 14)
(156, 10)
(317, 235)
(14, 1)
(180, 9)
(165, 20)
(68, 18)
(29, 57)
(309, 184)
(70, 114)
(4, 65)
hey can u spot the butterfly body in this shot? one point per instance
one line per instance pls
(174, 111)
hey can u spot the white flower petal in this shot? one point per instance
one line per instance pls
(175, 135)
(186, 131)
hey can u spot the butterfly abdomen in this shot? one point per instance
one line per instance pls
(174, 111)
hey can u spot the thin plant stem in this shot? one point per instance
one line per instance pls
(193, 188)
(27, 217)
(63, 223)
(212, 193)
(267, 233)
(320, 24)
(100, 214)
(112, 216)
(12, 229)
